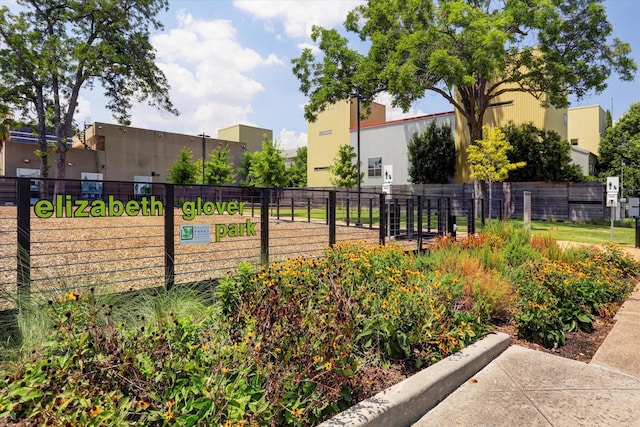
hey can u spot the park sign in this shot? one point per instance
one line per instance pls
(613, 185)
(64, 206)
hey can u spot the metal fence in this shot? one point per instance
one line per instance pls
(116, 236)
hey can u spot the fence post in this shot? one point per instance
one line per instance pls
(332, 218)
(24, 241)
(471, 218)
(383, 218)
(292, 209)
(370, 213)
(348, 207)
(308, 209)
(169, 237)
(419, 208)
(264, 226)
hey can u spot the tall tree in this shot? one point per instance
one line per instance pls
(183, 170)
(297, 171)
(488, 159)
(546, 154)
(51, 49)
(267, 166)
(218, 170)
(622, 144)
(432, 155)
(344, 169)
(6, 123)
(244, 170)
(467, 51)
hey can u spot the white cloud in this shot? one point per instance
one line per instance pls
(315, 49)
(208, 71)
(298, 16)
(289, 139)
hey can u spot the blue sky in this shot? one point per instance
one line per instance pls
(228, 62)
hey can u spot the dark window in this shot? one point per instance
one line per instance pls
(375, 167)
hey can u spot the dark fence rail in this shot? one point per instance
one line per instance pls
(118, 236)
(584, 201)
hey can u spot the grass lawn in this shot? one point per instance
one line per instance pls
(583, 233)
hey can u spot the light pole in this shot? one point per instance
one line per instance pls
(358, 97)
(203, 135)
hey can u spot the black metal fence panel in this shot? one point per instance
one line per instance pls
(116, 236)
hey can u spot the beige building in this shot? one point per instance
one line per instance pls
(329, 131)
(587, 125)
(516, 107)
(249, 135)
(122, 153)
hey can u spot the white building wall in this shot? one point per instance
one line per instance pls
(389, 141)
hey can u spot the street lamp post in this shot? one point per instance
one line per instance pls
(203, 135)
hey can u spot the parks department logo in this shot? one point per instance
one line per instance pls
(186, 232)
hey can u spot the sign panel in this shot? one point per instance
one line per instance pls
(195, 234)
(388, 174)
(612, 200)
(613, 185)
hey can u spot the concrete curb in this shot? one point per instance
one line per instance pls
(406, 402)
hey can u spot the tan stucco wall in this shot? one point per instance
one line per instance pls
(520, 108)
(249, 135)
(121, 152)
(330, 130)
(133, 151)
(587, 125)
(78, 160)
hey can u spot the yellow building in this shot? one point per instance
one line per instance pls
(328, 132)
(333, 126)
(587, 125)
(516, 107)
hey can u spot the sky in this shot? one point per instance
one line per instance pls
(229, 62)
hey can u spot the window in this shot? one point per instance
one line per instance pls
(325, 132)
(321, 168)
(574, 141)
(375, 167)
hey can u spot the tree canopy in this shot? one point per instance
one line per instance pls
(622, 144)
(297, 171)
(183, 170)
(546, 154)
(488, 159)
(467, 51)
(218, 170)
(267, 168)
(432, 155)
(51, 49)
(344, 169)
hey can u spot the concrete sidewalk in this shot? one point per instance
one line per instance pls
(524, 387)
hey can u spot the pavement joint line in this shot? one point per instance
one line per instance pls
(406, 402)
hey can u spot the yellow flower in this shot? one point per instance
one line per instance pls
(168, 415)
(143, 404)
(205, 347)
(225, 369)
(171, 404)
(95, 411)
(328, 366)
